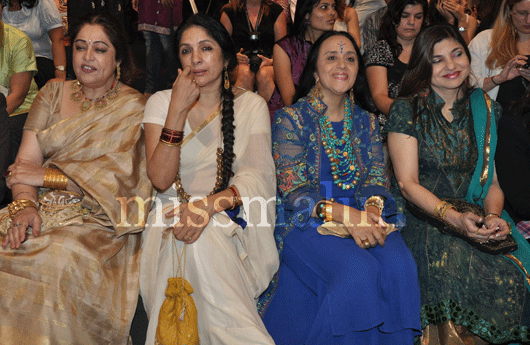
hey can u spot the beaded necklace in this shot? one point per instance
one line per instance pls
(342, 160)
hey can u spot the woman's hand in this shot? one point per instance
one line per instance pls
(242, 59)
(16, 233)
(370, 228)
(440, 6)
(265, 61)
(511, 70)
(184, 93)
(499, 226)
(472, 225)
(456, 10)
(25, 172)
(194, 217)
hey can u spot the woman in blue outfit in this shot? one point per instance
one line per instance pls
(329, 165)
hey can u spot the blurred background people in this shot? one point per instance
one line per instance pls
(453, 12)
(255, 25)
(41, 21)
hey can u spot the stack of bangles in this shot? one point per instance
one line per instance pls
(377, 201)
(236, 201)
(442, 208)
(171, 137)
(324, 210)
(54, 179)
(18, 205)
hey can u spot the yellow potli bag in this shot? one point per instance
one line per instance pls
(177, 321)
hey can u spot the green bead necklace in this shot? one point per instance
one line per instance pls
(345, 174)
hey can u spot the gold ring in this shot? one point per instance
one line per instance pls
(188, 238)
(366, 243)
(9, 174)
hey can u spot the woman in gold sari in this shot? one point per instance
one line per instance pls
(70, 248)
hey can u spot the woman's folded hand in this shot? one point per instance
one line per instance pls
(25, 172)
(366, 228)
(16, 233)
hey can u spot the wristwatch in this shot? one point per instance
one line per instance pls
(60, 68)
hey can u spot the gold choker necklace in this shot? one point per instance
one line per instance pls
(78, 95)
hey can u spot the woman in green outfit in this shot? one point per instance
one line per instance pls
(442, 139)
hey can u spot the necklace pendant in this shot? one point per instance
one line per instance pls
(100, 103)
(86, 105)
(77, 96)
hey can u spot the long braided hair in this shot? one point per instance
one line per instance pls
(219, 34)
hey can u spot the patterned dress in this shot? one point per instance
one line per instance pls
(326, 283)
(486, 293)
(381, 55)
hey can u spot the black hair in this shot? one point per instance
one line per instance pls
(116, 34)
(391, 20)
(219, 34)
(307, 78)
(24, 3)
(418, 74)
(304, 8)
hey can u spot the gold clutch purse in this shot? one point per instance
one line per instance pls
(338, 229)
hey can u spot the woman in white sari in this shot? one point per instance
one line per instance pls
(210, 136)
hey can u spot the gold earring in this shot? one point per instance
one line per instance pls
(227, 80)
(118, 72)
(317, 89)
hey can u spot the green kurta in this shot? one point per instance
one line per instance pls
(486, 293)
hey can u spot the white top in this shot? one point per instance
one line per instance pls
(36, 22)
(479, 49)
(365, 7)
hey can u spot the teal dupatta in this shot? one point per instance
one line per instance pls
(486, 138)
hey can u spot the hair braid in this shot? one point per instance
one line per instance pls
(227, 127)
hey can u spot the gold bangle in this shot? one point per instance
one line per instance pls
(491, 214)
(235, 199)
(18, 205)
(54, 179)
(438, 208)
(167, 143)
(377, 201)
(329, 212)
(445, 209)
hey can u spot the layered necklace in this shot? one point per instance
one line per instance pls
(340, 150)
(79, 96)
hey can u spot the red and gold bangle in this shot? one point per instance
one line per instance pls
(236, 201)
(171, 137)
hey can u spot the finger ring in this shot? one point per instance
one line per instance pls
(16, 224)
(8, 174)
(188, 238)
(365, 243)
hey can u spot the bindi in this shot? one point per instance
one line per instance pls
(341, 47)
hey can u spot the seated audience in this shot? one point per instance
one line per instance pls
(41, 21)
(387, 60)
(370, 28)
(348, 21)
(438, 138)
(453, 12)
(312, 19)
(76, 256)
(17, 86)
(208, 150)
(254, 25)
(513, 158)
(329, 163)
(498, 54)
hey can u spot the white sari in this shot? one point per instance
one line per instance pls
(228, 266)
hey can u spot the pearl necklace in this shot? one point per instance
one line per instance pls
(342, 160)
(78, 95)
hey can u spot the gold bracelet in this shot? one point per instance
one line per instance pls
(491, 214)
(18, 205)
(438, 209)
(54, 179)
(167, 143)
(445, 209)
(329, 212)
(377, 201)
(235, 200)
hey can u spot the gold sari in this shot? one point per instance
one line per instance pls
(77, 283)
